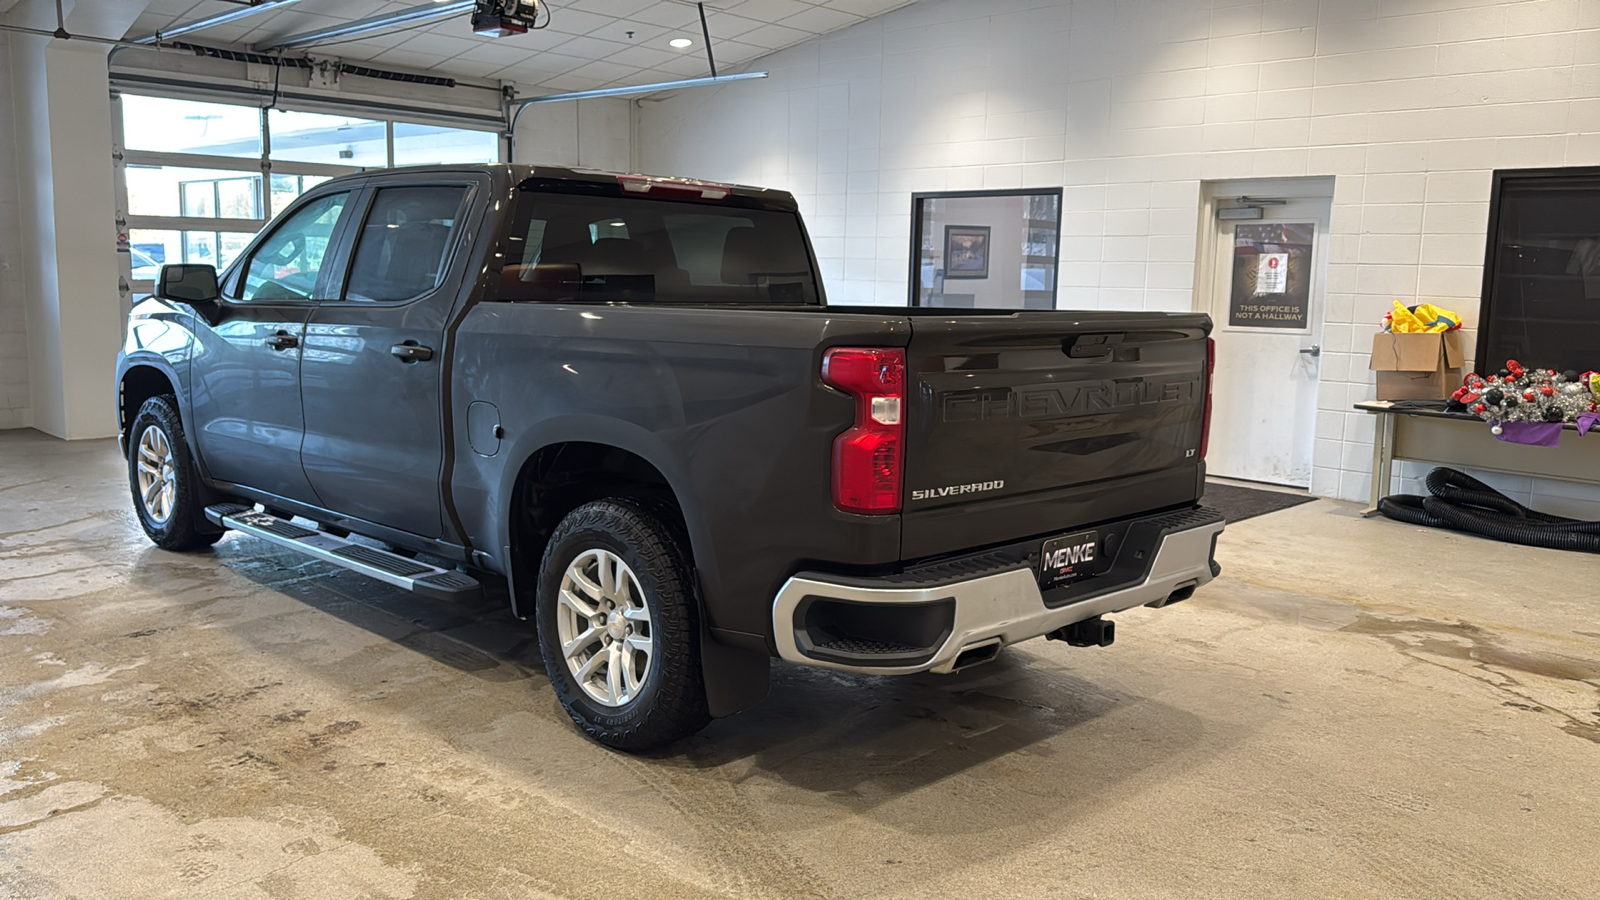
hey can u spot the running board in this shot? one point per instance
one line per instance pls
(392, 568)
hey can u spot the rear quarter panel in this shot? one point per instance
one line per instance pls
(725, 403)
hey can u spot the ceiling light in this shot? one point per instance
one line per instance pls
(680, 43)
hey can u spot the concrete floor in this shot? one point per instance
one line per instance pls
(1356, 709)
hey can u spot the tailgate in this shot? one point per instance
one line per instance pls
(1039, 422)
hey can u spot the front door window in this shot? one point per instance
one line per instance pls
(286, 265)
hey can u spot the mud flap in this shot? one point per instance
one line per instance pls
(735, 678)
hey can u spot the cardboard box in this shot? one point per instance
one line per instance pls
(1417, 366)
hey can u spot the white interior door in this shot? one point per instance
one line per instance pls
(1267, 300)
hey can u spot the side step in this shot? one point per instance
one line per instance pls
(411, 574)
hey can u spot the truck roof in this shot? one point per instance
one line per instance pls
(517, 173)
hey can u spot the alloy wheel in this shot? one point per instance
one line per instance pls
(603, 622)
(158, 475)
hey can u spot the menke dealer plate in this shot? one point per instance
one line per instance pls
(1069, 559)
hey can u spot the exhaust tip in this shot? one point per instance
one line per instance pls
(976, 654)
(1179, 594)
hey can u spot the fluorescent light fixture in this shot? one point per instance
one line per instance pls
(680, 43)
(231, 15)
(640, 89)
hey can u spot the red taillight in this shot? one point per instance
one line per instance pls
(1205, 424)
(869, 458)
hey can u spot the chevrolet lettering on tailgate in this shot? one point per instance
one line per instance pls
(1078, 398)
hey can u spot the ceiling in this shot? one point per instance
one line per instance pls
(587, 44)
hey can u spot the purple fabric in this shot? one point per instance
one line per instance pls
(1587, 421)
(1538, 434)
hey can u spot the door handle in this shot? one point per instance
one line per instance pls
(283, 340)
(410, 352)
(1314, 350)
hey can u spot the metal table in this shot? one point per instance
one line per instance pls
(1463, 440)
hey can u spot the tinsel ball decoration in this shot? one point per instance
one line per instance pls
(1521, 394)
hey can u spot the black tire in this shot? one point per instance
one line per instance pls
(184, 526)
(670, 701)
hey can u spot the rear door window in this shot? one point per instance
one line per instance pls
(405, 244)
(581, 248)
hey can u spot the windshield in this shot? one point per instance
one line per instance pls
(571, 247)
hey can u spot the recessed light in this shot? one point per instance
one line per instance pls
(680, 43)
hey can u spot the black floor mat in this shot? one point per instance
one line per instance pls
(1239, 503)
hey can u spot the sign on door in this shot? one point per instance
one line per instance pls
(1271, 275)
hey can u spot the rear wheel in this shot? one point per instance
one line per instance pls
(167, 494)
(619, 628)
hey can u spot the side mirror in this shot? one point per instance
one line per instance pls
(188, 283)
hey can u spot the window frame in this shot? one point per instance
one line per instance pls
(1500, 180)
(368, 200)
(914, 279)
(264, 165)
(334, 259)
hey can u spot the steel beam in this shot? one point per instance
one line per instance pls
(409, 16)
(232, 15)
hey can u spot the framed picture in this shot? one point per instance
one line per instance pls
(966, 251)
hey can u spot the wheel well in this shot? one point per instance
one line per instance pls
(562, 477)
(139, 384)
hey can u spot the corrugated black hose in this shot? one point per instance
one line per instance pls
(1463, 503)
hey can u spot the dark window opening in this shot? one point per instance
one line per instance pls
(584, 248)
(1541, 286)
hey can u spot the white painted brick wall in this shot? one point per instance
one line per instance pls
(14, 412)
(1130, 104)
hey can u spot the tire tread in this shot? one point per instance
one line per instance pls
(187, 528)
(677, 707)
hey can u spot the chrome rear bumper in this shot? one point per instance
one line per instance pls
(1004, 607)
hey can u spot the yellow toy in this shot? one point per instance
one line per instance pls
(1424, 318)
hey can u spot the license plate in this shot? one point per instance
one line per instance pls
(1065, 560)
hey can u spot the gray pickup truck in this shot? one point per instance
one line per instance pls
(628, 397)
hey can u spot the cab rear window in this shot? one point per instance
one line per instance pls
(584, 248)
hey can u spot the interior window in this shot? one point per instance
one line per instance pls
(572, 247)
(608, 228)
(1542, 304)
(405, 243)
(286, 264)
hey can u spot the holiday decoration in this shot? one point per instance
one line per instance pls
(1517, 398)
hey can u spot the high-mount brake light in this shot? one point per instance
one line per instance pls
(644, 184)
(869, 459)
(1211, 368)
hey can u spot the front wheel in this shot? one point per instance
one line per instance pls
(167, 494)
(619, 627)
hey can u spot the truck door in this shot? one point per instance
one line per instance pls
(372, 369)
(246, 366)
